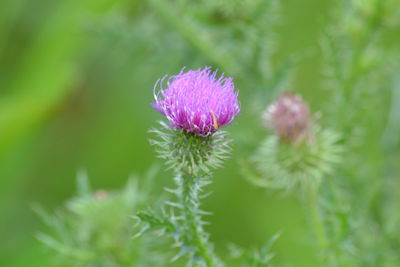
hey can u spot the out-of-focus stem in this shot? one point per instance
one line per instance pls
(316, 219)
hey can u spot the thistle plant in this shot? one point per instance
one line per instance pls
(297, 157)
(196, 104)
(299, 153)
(351, 73)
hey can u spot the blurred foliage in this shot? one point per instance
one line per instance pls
(96, 229)
(75, 87)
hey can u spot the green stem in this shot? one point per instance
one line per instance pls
(316, 219)
(190, 189)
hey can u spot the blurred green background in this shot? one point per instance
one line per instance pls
(76, 80)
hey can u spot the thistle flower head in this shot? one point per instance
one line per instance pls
(197, 101)
(289, 117)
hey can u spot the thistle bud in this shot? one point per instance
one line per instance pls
(101, 195)
(289, 117)
(288, 159)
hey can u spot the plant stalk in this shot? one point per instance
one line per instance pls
(316, 219)
(190, 188)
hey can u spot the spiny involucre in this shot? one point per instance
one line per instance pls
(197, 101)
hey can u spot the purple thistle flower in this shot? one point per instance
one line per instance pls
(289, 117)
(197, 101)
